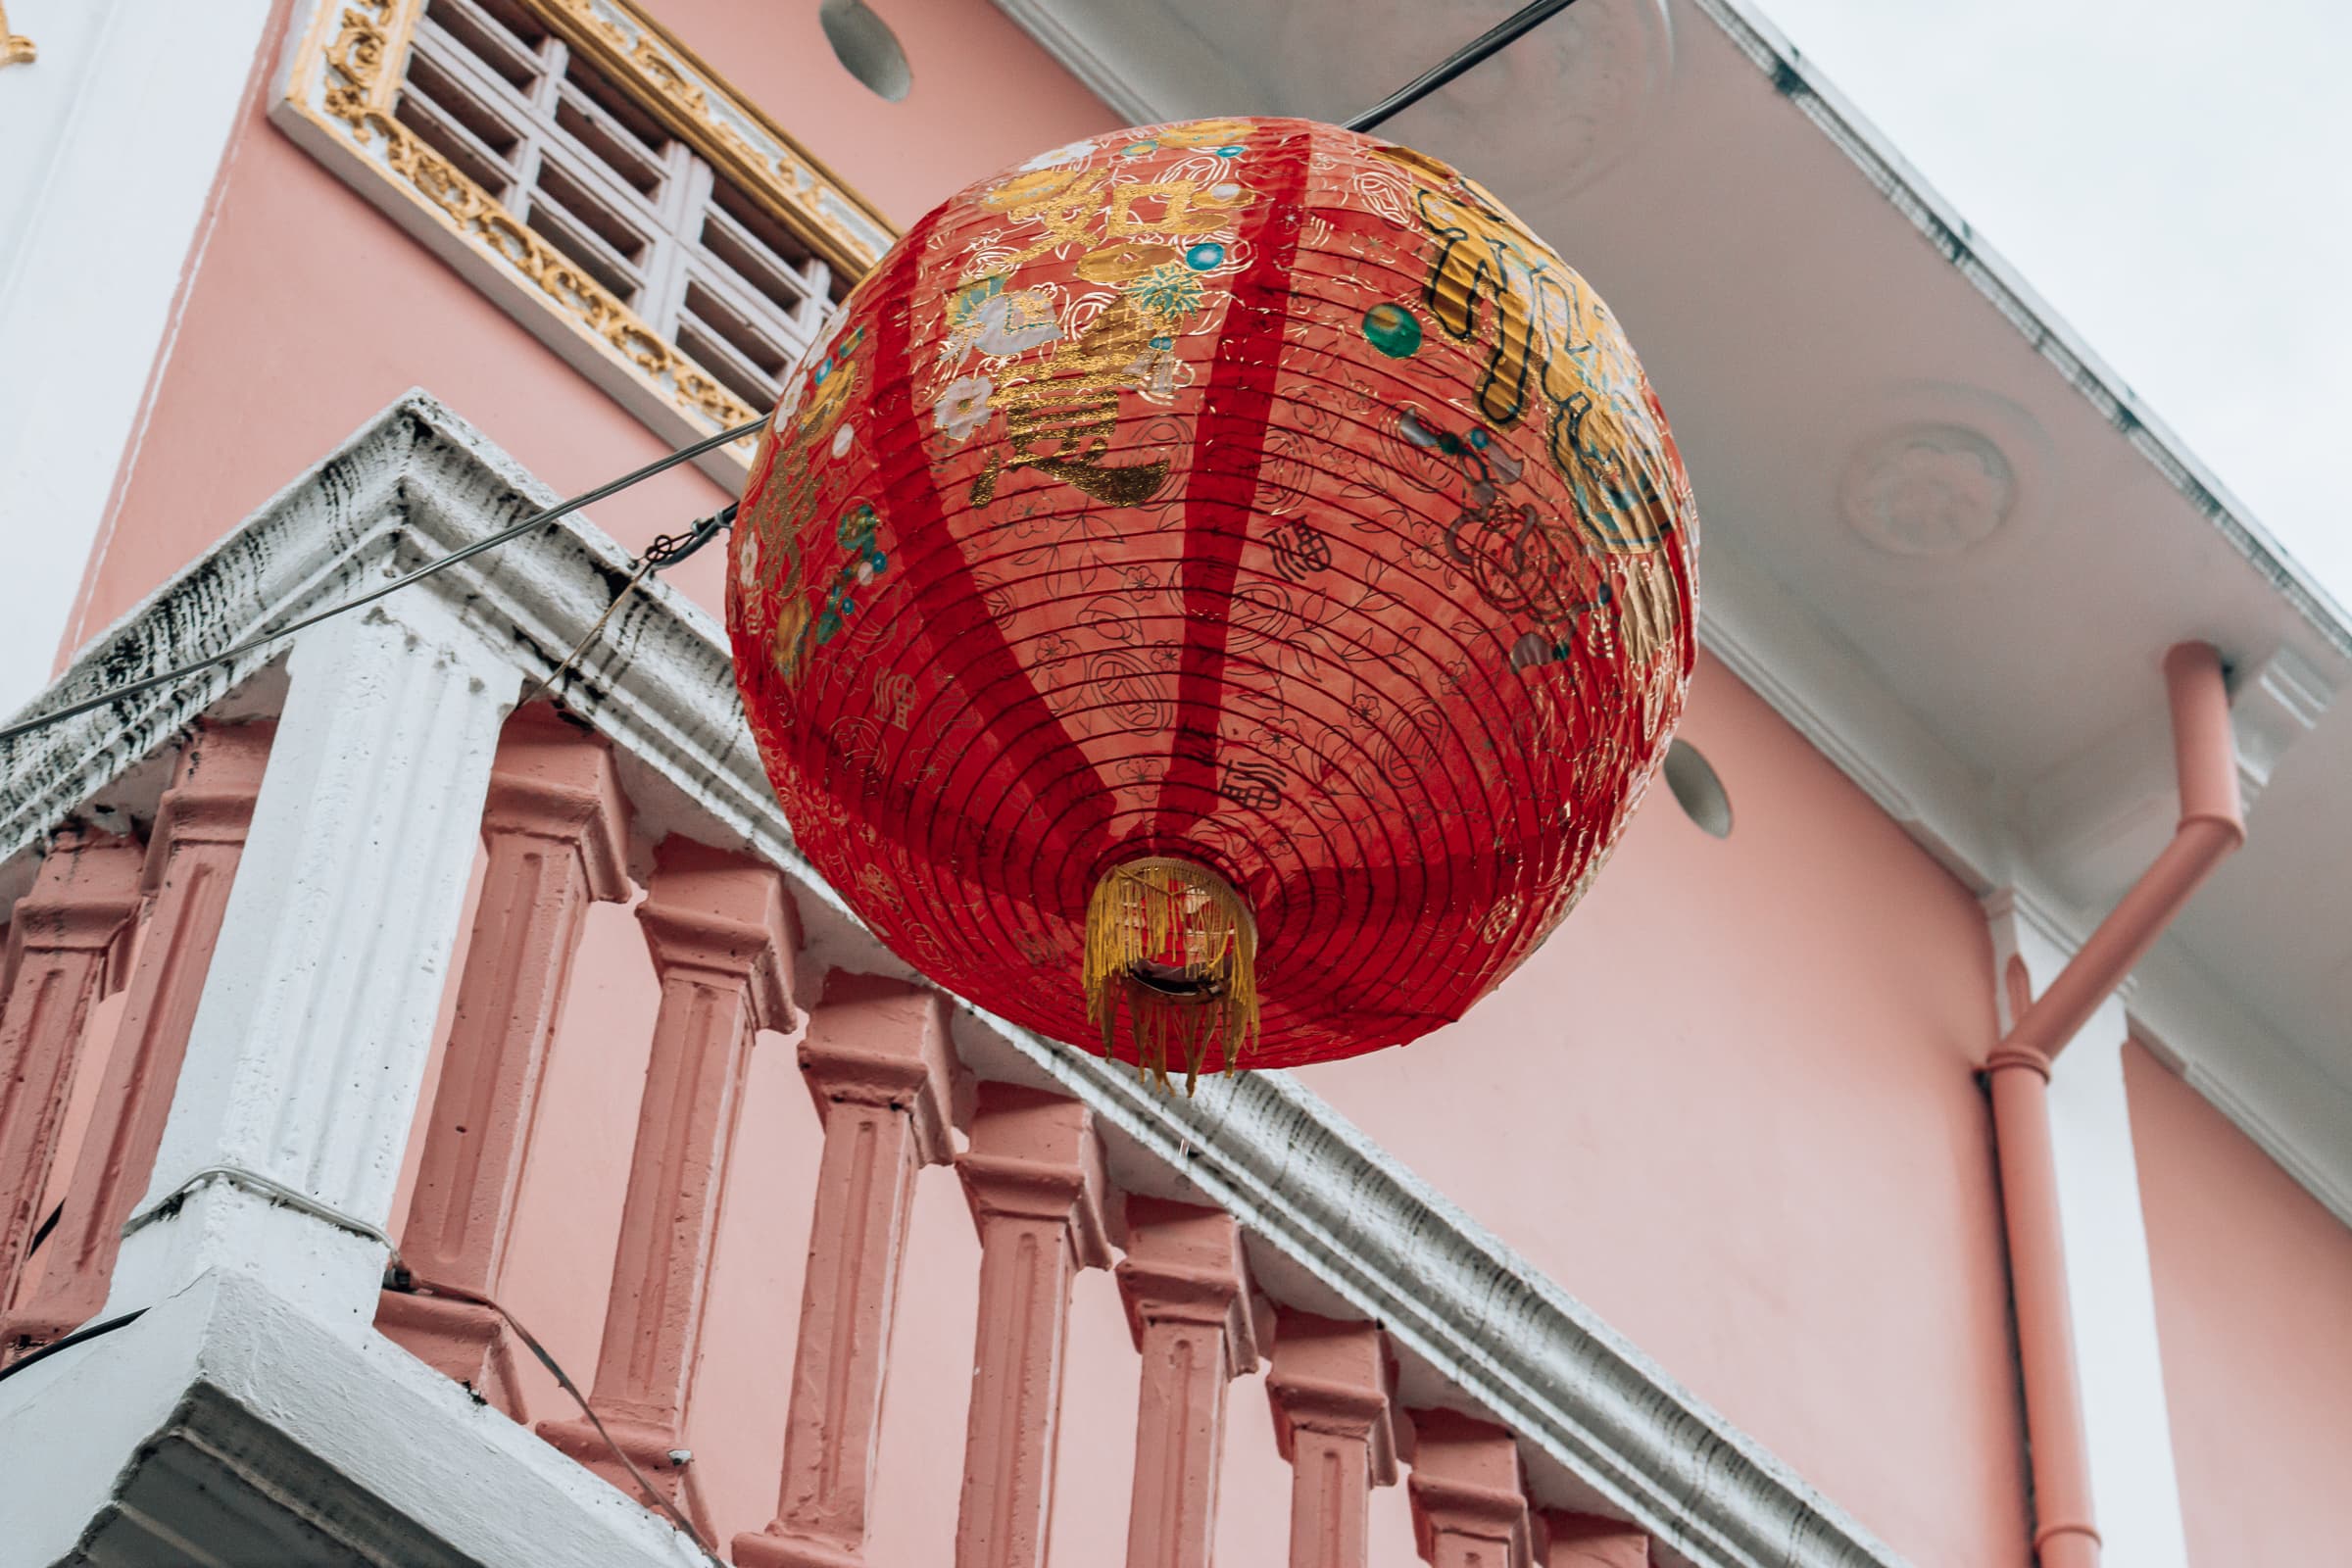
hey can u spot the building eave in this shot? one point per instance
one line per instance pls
(2003, 705)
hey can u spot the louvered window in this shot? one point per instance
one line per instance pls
(506, 101)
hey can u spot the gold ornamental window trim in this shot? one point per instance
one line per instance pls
(15, 48)
(347, 72)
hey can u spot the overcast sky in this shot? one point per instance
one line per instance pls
(2176, 180)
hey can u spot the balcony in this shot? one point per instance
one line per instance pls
(332, 949)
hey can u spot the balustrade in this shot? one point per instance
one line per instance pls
(721, 935)
(878, 1058)
(553, 832)
(883, 1073)
(1331, 1421)
(66, 944)
(302, 883)
(192, 856)
(305, 880)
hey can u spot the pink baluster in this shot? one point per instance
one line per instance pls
(1188, 1305)
(1330, 1388)
(1584, 1541)
(67, 942)
(721, 935)
(1035, 1181)
(883, 1072)
(192, 859)
(1469, 1496)
(553, 828)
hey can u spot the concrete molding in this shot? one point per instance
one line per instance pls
(1351, 1223)
(225, 1402)
(1742, 24)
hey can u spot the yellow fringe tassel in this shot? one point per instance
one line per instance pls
(1177, 945)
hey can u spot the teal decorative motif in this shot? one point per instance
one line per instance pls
(1170, 292)
(1393, 330)
(867, 562)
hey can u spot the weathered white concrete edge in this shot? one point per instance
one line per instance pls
(392, 1442)
(659, 682)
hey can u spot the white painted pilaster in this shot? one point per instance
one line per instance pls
(309, 1041)
(2136, 1495)
(109, 143)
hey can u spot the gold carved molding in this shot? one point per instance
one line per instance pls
(347, 74)
(15, 48)
(724, 127)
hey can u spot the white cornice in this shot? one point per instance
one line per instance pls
(1351, 1225)
(1905, 190)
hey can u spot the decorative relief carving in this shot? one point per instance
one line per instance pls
(15, 48)
(1929, 490)
(347, 77)
(636, 51)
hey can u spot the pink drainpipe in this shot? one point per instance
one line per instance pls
(2205, 757)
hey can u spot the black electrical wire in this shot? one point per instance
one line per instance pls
(70, 1341)
(537, 519)
(397, 1277)
(1493, 41)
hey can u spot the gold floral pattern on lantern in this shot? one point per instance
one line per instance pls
(1240, 497)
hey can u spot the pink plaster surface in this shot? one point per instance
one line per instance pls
(2254, 1313)
(1760, 1153)
(67, 941)
(192, 858)
(309, 311)
(1187, 1291)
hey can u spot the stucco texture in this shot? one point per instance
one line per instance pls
(2253, 1283)
(1731, 1106)
(305, 311)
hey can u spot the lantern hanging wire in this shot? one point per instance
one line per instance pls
(1471, 54)
(1493, 41)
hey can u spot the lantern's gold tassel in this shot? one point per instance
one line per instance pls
(1175, 944)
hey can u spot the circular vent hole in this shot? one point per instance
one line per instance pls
(866, 47)
(1696, 789)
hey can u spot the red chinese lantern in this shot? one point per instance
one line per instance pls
(1216, 593)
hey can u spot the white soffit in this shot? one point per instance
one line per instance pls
(1940, 537)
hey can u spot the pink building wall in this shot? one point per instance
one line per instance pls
(2254, 1310)
(1761, 1151)
(1730, 1107)
(306, 311)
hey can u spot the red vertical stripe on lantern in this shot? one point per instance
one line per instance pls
(955, 613)
(1236, 410)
